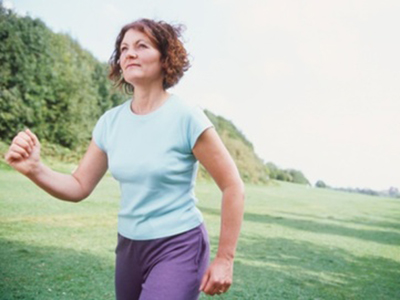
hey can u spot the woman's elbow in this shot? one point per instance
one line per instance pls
(237, 187)
(76, 197)
(82, 197)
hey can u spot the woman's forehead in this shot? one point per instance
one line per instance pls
(133, 35)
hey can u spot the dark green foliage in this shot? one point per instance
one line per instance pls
(272, 170)
(298, 177)
(289, 175)
(49, 83)
(320, 184)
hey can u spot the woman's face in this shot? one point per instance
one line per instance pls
(140, 60)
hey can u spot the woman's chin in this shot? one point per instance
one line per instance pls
(140, 80)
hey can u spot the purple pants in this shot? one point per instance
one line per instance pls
(169, 268)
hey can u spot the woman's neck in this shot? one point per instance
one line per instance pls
(147, 100)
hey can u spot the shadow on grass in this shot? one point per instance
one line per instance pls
(31, 272)
(384, 224)
(279, 268)
(378, 236)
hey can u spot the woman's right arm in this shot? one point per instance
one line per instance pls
(24, 156)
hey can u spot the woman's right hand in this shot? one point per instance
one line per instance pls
(24, 153)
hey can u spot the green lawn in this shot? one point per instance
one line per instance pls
(296, 243)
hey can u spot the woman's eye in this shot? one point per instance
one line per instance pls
(142, 46)
(123, 49)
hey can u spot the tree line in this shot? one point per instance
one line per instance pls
(49, 83)
(392, 192)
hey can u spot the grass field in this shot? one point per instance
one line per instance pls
(296, 243)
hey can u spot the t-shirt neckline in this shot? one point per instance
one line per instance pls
(150, 114)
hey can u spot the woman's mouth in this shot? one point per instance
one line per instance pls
(132, 65)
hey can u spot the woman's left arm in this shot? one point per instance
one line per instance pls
(213, 155)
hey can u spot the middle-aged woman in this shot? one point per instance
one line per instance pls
(152, 144)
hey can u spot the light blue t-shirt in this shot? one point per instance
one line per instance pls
(151, 157)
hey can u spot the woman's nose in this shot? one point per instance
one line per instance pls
(131, 53)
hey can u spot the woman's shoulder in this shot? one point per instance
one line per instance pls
(114, 111)
(186, 106)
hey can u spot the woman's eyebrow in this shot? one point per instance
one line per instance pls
(140, 40)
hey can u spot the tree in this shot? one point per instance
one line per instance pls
(320, 184)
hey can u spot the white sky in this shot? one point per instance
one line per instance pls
(314, 85)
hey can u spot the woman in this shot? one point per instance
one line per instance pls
(151, 144)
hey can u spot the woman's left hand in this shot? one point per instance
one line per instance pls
(218, 277)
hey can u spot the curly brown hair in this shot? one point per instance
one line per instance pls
(166, 37)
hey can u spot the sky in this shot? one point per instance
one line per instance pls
(314, 85)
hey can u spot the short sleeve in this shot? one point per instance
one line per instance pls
(198, 122)
(98, 133)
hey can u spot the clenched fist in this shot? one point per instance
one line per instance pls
(24, 152)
